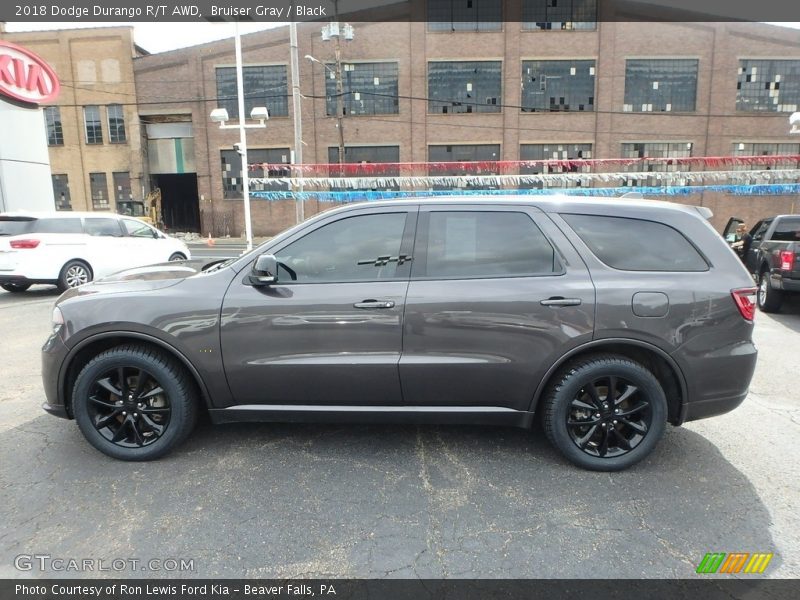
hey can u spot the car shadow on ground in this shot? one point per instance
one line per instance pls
(789, 314)
(306, 500)
(36, 292)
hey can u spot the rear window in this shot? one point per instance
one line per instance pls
(787, 230)
(15, 226)
(57, 226)
(636, 244)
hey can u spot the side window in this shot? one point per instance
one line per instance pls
(58, 226)
(347, 250)
(99, 226)
(474, 244)
(636, 244)
(788, 230)
(139, 229)
(759, 230)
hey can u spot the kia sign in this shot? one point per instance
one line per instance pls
(24, 76)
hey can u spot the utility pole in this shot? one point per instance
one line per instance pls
(297, 158)
(339, 85)
(248, 227)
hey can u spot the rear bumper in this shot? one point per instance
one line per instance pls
(718, 382)
(789, 285)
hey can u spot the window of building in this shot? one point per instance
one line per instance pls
(116, 123)
(464, 153)
(660, 85)
(655, 150)
(98, 185)
(52, 120)
(768, 85)
(347, 250)
(471, 244)
(367, 154)
(263, 86)
(61, 191)
(122, 186)
(636, 244)
(559, 14)
(765, 149)
(464, 87)
(232, 186)
(555, 152)
(465, 15)
(557, 85)
(93, 126)
(369, 89)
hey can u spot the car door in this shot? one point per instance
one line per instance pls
(144, 241)
(330, 330)
(753, 257)
(106, 248)
(497, 295)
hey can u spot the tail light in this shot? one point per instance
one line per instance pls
(24, 244)
(787, 260)
(745, 299)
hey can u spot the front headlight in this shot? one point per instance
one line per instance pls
(57, 319)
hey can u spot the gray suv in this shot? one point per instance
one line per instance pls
(604, 319)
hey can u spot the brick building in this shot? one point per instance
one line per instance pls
(93, 128)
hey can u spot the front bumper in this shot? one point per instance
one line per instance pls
(54, 352)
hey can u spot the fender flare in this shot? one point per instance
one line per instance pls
(618, 341)
(73, 352)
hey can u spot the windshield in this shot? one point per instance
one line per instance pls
(15, 225)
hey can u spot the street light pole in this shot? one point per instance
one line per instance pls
(248, 227)
(339, 87)
(298, 122)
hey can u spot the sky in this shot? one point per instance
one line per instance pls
(160, 37)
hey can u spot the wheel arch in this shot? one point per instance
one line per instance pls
(661, 364)
(90, 347)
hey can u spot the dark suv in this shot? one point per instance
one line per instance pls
(606, 319)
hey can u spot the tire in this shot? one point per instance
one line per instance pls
(129, 429)
(73, 274)
(16, 288)
(768, 298)
(569, 401)
(177, 256)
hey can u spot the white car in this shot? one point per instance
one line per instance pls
(69, 249)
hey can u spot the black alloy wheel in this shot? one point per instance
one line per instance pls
(604, 412)
(609, 417)
(135, 402)
(128, 407)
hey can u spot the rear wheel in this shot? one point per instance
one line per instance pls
(15, 288)
(769, 299)
(605, 412)
(134, 403)
(73, 274)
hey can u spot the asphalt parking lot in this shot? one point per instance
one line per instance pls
(286, 501)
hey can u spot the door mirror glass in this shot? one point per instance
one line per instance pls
(265, 270)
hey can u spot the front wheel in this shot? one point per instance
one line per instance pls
(177, 256)
(769, 299)
(605, 412)
(15, 288)
(134, 403)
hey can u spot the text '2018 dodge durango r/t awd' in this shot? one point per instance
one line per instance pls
(606, 319)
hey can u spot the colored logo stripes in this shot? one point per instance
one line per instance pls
(734, 562)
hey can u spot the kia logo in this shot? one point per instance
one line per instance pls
(25, 76)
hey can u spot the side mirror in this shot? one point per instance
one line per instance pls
(265, 271)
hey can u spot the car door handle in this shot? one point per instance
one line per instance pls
(559, 301)
(374, 304)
